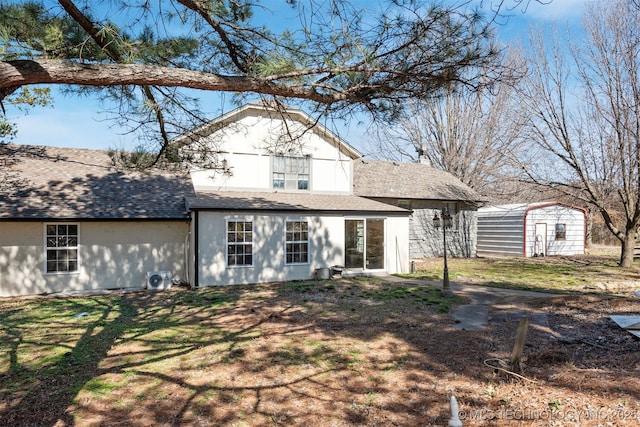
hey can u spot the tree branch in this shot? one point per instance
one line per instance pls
(50, 71)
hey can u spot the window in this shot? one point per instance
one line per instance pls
(239, 243)
(561, 231)
(453, 211)
(297, 242)
(291, 173)
(61, 248)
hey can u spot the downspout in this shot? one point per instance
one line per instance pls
(196, 245)
(187, 250)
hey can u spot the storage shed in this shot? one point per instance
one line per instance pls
(534, 229)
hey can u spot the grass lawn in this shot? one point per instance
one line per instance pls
(337, 352)
(557, 274)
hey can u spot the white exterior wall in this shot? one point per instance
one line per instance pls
(397, 245)
(247, 146)
(112, 255)
(326, 247)
(511, 231)
(574, 219)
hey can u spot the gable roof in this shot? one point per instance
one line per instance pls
(384, 179)
(263, 108)
(289, 202)
(51, 183)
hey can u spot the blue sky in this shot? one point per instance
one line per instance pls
(79, 122)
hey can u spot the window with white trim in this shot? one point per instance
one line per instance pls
(239, 243)
(291, 173)
(297, 242)
(61, 243)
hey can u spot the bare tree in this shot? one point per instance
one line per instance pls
(471, 134)
(583, 105)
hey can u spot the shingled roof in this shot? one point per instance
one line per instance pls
(288, 202)
(50, 183)
(384, 179)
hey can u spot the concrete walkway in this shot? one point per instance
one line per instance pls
(474, 315)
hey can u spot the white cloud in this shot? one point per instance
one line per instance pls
(556, 9)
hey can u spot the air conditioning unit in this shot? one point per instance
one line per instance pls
(157, 280)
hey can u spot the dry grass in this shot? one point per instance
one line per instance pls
(336, 353)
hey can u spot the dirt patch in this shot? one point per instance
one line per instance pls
(580, 367)
(339, 353)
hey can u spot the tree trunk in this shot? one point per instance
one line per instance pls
(628, 246)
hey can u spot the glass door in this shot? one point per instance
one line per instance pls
(364, 244)
(375, 244)
(354, 243)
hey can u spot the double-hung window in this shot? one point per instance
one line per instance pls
(291, 173)
(297, 242)
(561, 231)
(61, 248)
(240, 243)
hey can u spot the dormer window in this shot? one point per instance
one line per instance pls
(291, 173)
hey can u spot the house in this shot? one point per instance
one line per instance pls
(264, 195)
(277, 203)
(533, 229)
(425, 191)
(71, 221)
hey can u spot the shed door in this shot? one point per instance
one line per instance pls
(540, 240)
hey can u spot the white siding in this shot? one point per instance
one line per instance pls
(397, 245)
(112, 255)
(326, 247)
(574, 220)
(510, 230)
(247, 145)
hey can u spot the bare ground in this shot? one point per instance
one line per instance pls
(338, 354)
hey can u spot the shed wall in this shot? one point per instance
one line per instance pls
(513, 232)
(500, 235)
(573, 219)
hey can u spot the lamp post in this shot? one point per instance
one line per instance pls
(446, 224)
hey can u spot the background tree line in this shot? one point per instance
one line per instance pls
(568, 129)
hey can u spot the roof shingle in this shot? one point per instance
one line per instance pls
(383, 179)
(69, 183)
(277, 201)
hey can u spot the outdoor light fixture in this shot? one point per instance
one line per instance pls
(446, 224)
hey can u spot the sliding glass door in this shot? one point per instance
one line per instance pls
(364, 243)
